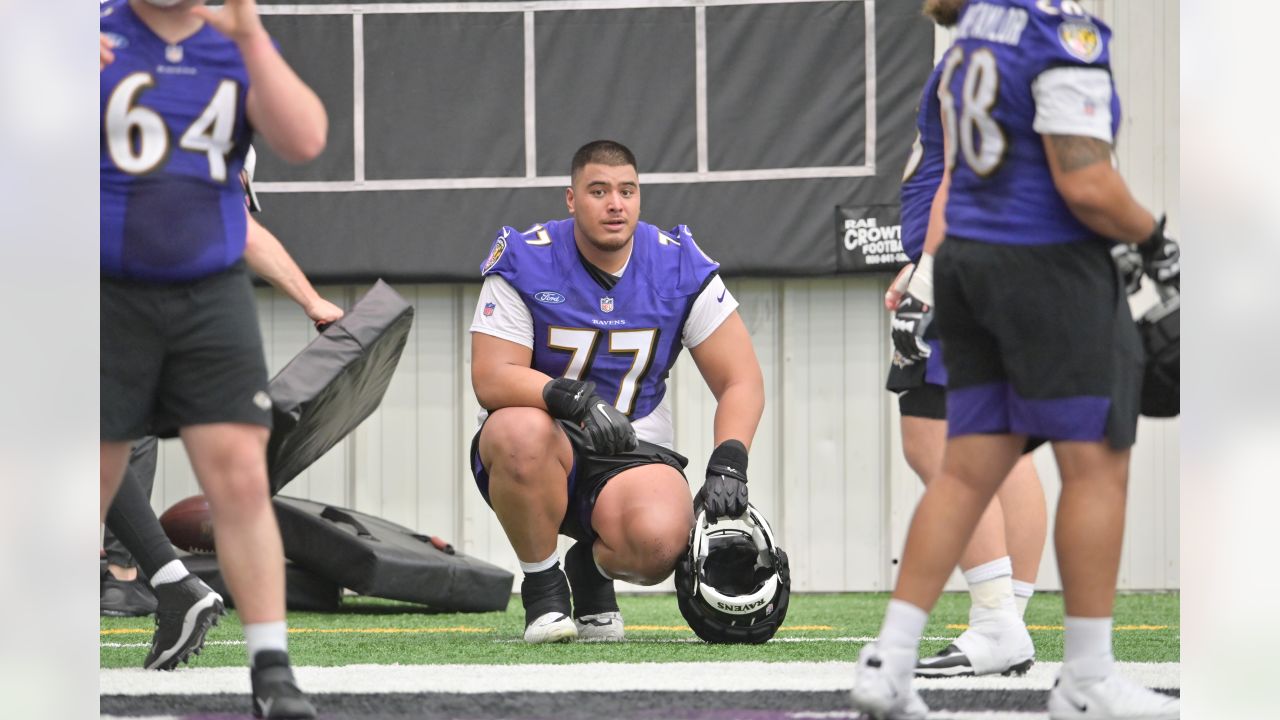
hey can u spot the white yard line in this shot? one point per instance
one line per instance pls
(933, 715)
(819, 715)
(649, 641)
(659, 677)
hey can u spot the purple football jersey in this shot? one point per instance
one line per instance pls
(924, 170)
(1001, 187)
(624, 338)
(174, 137)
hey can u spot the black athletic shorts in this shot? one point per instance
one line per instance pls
(590, 473)
(926, 400)
(1039, 342)
(180, 354)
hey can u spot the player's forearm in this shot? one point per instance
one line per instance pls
(1103, 203)
(499, 385)
(738, 411)
(1093, 189)
(264, 255)
(281, 107)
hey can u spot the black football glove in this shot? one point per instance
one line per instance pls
(1129, 262)
(576, 401)
(725, 491)
(910, 321)
(1161, 257)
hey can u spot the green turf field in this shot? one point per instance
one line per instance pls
(819, 627)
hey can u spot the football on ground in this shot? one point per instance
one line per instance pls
(189, 525)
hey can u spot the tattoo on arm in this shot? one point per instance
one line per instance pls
(1074, 152)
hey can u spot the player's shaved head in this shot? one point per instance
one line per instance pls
(601, 152)
(944, 12)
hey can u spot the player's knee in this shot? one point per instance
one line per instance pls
(656, 542)
(518, 443)
(236, 482)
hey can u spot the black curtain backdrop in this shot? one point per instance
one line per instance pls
(444, 99)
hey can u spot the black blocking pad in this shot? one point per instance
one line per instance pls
(336, 382)
(379, 558)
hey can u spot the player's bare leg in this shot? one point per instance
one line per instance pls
(113, 457)
(642, 520)
(1090, 528)
(230, 461)
(528, 459)
(923, 442)
(642, 517)
(1026, 522)
(973, 468)
(996, 640)
(1090, 525)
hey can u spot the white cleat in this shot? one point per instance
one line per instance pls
(882, 686)
(1111, 698)
(601, 627)
(979, 653)
(553, 627)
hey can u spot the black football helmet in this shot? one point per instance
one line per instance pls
(733, 583)
(1160, 328)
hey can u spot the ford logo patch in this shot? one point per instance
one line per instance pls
(549, 297)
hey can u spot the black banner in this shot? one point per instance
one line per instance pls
(435, 143)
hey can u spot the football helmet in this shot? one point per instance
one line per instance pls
(733, 584)
(1160, 328)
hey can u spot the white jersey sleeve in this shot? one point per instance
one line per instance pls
(1074, 101)
(714, 304)
(501, 312)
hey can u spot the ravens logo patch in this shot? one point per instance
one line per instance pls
(1082, 39)
(494, 255)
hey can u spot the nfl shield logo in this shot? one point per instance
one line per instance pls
(488, 309)
(173, 54)
(606, 304)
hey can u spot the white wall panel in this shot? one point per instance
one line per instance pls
(826, 464)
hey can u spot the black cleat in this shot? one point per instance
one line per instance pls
(595, 605)
(275, 693)
(545, 596)
(186, 610)
(125, 598)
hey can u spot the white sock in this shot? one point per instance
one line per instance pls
(903, 626)
(173, 571)
(1087, 647)
(991, 592)
(547, 564)
(266, 636)
(1022, 592)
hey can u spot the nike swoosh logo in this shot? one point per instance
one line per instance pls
(722, 292)
(600, 408)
